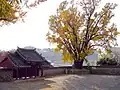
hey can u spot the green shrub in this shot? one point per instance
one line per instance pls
(107, 61)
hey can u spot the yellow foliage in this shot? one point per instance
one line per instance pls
(97, 38)
(56, 50)
(116, 33)
(67, 58)
(7, 11)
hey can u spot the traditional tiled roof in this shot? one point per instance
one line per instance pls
(2, 58)
(18, 61)
(30, 55)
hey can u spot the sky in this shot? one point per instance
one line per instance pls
(33, 31)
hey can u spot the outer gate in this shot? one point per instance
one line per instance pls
(25, 72)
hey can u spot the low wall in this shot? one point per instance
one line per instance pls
(63, 70)
(79, 71)
(52, 72)
(6, 75)
(105, 71)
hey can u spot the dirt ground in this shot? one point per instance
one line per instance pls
(66, 82)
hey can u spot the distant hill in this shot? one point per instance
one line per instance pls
(53, 57)
(56, 58)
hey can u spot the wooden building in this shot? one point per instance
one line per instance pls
(25, 63)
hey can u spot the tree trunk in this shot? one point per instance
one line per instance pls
(78, 64)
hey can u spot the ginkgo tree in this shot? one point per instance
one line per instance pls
(12, 10)
(79, 28)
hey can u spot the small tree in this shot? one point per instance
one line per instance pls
(78, 29)
(106, 59)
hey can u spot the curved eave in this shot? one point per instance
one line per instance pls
(35, 60)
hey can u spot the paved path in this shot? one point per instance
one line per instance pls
(68, 82)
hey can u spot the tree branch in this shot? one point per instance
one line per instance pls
(94, 26)
(5, 19)
(76, 40)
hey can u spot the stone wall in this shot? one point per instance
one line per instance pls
(79, 71)
(105, 71)
(6, 75)
(63, 70)
(53, 71)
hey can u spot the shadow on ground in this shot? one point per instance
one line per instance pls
(92, 82)
(36, 84)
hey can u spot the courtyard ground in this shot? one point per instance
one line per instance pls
(66, 82)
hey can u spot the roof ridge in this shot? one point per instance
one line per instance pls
(26, 48)
(19, 52)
